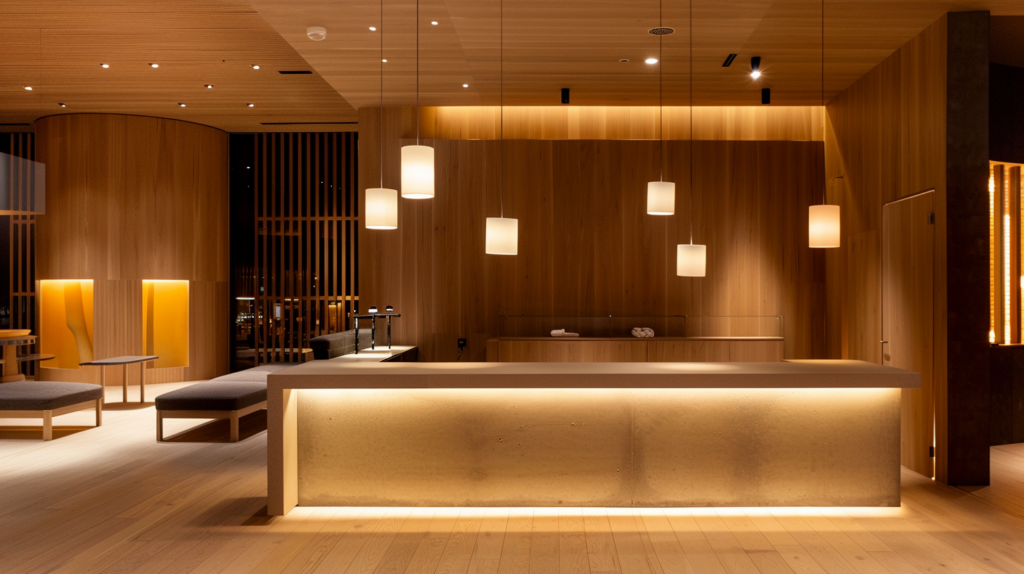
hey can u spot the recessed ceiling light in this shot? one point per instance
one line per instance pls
(433, 23)
(181, 105)
(208, 86)
(385, 60)
(373, 28)
(651, 61)
(104, 65)
(29, 88)
(255, 66)
(465, 85)
(154, 65)
(316, 33)
(624, 60)
(62, 105)
(249, 105)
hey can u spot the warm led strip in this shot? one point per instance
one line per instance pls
(992, 253)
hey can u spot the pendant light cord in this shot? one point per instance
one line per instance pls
(417, 72)
(382, 93)
(501, 104)
(691, 122)
(661, 96)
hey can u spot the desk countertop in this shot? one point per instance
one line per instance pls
(369, 373)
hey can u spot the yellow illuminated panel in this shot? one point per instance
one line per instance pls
(165, 322)
(66, 322)
(992, 253)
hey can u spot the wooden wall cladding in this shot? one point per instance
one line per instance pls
(586, 245)
(132, 198)
(307, 225)
(735, 123)
(17, 237)
(919, 121)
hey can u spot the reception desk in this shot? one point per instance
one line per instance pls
(635, 350)
(793, 433)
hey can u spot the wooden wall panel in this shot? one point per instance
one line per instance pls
(132, 198)
(306, 235)
(587, 246)
(890, 133)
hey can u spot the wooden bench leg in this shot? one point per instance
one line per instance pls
(99, 412)
(159, 426)
(234, 426)
(47, 425)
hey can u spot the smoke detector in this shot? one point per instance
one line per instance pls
(316, 33)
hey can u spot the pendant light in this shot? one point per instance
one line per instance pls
(661, 194)
(691, 260)
(417, 160)
(823, 221)
(381, 202)
(502, 233)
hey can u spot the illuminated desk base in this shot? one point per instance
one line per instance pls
(584, 447)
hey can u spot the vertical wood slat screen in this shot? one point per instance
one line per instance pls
(307, 222)
(1006, 256)
(21, 285)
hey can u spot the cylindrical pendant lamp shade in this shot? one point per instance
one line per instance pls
(417, 172)
(381, 208)
(691, 260)
(823, 226)
(661, 198)
(502, 236)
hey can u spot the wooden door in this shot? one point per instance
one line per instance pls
(908, 261)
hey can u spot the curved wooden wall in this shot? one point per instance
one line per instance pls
(130, 198)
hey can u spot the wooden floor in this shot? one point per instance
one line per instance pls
(113, 500)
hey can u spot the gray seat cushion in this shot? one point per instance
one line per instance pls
(214, 396)
(45, 395)
(343, 343)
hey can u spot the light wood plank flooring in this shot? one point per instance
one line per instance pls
(113, 500)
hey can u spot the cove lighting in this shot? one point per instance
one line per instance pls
(651, 61)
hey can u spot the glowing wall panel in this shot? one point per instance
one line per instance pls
(66, 322)
(165, 322)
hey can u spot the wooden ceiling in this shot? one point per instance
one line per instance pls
(577, 44)
(57, 46)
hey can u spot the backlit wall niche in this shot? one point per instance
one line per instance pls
(165, 322)
(1005, 253)
(66, 322)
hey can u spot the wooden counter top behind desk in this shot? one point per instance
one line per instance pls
(634, 350)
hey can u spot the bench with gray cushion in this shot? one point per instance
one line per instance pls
(229, 397)
(338, 344)
(48, 399)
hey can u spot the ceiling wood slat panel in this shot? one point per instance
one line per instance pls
(56, 46)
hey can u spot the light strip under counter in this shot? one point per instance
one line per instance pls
(796, 433)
